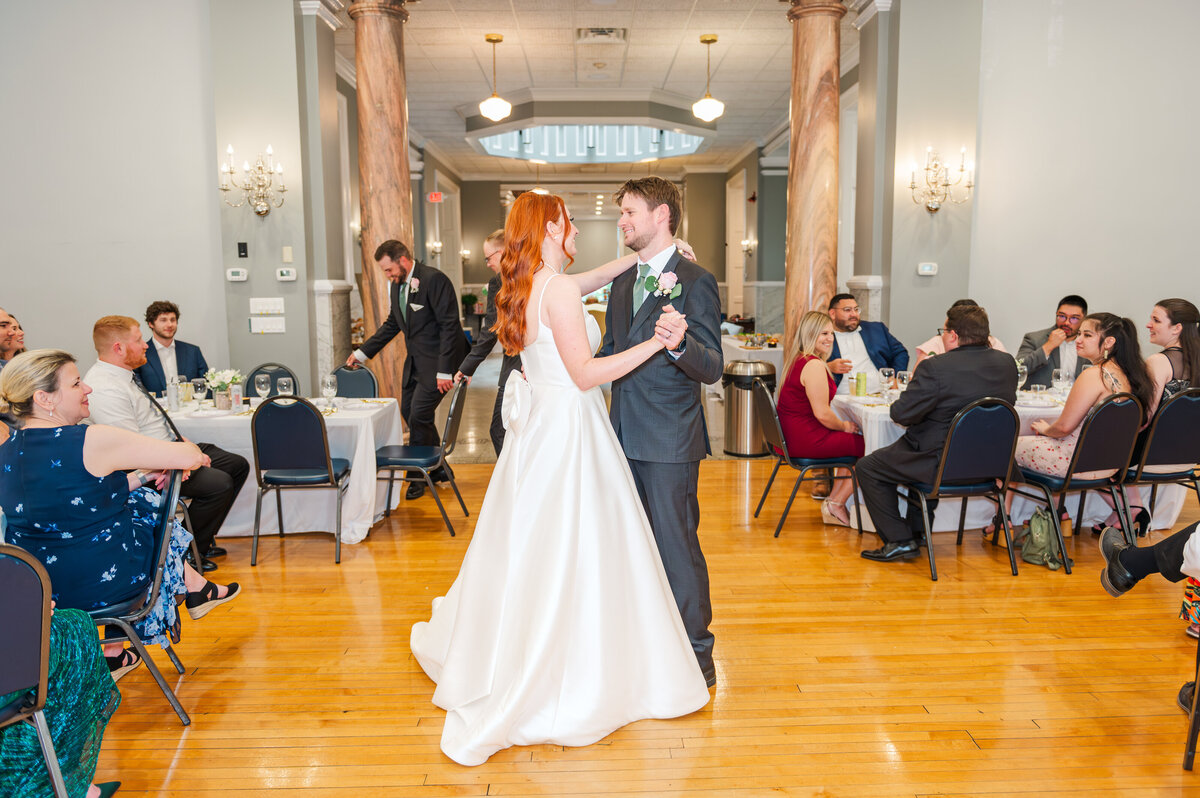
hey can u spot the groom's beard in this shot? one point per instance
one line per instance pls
(638, 243)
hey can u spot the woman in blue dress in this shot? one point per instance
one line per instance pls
(69, 501)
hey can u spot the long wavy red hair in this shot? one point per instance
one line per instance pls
(523, 235)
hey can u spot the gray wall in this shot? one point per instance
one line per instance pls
(598, 242)
(703, 224)
(481, 214)
(110, 197)
(772, 227)
(256, 82)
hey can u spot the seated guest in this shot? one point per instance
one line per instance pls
(14, 345)
(1173, 557)
(944, 384)
(168, 358)
(1110, 342)
(7, 333)
(861, 345)
(70, 503)
(810, 427)
(934, 345)
(493, 248)
(118, 401)
(1043, 351)
(80, 698)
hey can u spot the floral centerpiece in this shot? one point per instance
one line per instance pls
(219, 381)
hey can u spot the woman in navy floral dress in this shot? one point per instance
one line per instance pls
(69, 502)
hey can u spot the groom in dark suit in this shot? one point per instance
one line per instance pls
(425, 308)
(656, 408)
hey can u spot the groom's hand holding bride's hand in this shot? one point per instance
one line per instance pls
(670, 327)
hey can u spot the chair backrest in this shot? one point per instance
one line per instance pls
(25, 597)
(458, 399)
(275, 371)
(601, 319)
(768, 417)
(1174, 435)
(357, 383)
(289, 432)
(980, 443)
(1107, 435)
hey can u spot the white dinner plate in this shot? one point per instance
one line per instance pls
(211, 412)
(1036, 403)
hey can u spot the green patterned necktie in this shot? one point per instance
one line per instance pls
(639, 288)
(403, 300)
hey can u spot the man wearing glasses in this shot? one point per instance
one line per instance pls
(493, 248)
(1043, 351)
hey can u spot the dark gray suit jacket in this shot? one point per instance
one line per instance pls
(1041, 368)
(487, 340)
(657, 408)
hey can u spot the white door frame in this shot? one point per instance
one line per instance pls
(735, 232)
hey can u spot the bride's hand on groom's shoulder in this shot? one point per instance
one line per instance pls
(685, 249)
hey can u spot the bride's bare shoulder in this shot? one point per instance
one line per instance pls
(559, 291)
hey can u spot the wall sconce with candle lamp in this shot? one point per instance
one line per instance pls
(748, 246)
(435, 248)
(262, 184)
(938, 185)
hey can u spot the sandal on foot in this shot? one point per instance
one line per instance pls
(108, 788)
(123, 663)
(1193, 630)
(205, 599)
(830, 517)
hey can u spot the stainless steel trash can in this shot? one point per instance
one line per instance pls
(743, 435)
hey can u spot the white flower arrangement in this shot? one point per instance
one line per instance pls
(221, 379)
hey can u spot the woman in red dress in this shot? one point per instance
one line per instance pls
(810, 427)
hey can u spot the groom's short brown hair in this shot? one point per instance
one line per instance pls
(655, 191)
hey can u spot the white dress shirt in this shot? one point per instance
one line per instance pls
(116, 401)
(166, 356)
(1068, 358)
(851, 347)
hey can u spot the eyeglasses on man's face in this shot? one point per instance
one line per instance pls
(1073, 318)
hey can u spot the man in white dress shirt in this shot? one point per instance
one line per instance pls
(168, 358)
(1043, 351)
(118, 400)
(861, 346)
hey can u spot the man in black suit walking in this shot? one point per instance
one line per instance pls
(940, 387)
(425, 309)
(493, 248)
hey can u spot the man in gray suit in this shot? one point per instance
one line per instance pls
(1043, 351)
(656, 408)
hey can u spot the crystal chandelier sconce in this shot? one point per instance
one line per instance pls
(261, 185)
(940, 183)
(495, 107)
(708, 107)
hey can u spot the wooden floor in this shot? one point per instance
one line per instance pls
(836, 676)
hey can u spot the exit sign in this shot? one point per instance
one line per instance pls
(434, 196)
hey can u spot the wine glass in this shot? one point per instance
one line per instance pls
(199, 389)
(285, 386)
(1061, 380)
(1022, 373)
(262, 385)
(885, 377)
(902, 378)
(329, 388)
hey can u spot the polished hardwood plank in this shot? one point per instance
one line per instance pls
(836, 676)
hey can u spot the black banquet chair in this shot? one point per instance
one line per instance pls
(976, 461)
(291, 452)
(127, 613)
(426, 459)
(357, 383)
(1173, 439)
(24, 667)
(275, 371)
(768, 419)
(1106, 439)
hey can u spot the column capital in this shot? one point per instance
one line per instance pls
(804, 8)
(378, 8)
(867, 9)
(325, 10)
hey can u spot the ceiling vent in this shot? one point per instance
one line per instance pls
(600, 35)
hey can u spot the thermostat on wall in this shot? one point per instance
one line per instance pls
(285, 274)
(927, 269)
(236, 275)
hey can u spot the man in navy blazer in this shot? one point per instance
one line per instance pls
(861, 345)
(165, 356)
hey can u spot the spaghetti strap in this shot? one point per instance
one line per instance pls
(542, 296)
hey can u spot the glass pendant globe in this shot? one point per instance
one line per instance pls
(495, 108)
(708, 108)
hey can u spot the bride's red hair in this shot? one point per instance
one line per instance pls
(523, 235)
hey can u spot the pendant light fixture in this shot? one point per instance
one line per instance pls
(708, 108)
(494, 108)
(537, 179)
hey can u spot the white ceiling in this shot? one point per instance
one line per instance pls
(449, 69)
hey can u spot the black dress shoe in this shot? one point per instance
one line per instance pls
(215, 551)
(903, 550)
(1115, 577)
(206, 565)
(415, 491)
(1184, 699)
(442, 474)
(710, 677)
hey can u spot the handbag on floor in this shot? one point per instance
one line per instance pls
(1039, 544)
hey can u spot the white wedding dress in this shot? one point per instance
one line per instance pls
(560, 627)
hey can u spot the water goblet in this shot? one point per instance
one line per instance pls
(329, 388)
(199, 389)
(285, 386)
(262, 385)
(1022, 373)
(902, 379)
(885, 377)
(1061, 380)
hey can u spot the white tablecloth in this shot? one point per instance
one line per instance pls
(355, 431)
(874, 419)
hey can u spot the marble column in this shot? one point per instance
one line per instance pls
(810, 259)
(384, 189)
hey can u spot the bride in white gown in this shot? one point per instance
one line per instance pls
(560, 627)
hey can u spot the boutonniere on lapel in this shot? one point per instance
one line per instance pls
(664, 285)
(413, 285)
